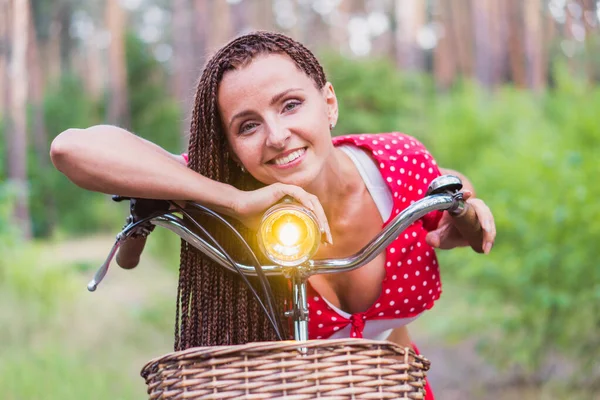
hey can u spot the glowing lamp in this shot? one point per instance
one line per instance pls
(289, 234)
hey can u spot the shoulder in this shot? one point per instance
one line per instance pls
(393, 146)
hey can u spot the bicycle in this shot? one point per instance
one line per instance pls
(299, 369)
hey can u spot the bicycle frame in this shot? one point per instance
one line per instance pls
(443, 194)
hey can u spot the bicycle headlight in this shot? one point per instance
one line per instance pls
(289, 234)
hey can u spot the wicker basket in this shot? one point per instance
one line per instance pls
(329, 369)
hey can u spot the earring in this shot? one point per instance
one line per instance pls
(242, 169)
(331, 126)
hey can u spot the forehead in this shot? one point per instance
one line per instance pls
(265, 75)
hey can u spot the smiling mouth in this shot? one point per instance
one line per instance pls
(288, 158)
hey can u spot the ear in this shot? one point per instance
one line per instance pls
(332, 103)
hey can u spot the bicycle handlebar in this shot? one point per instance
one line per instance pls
(324, 266)
(442, 198)
(443, 194)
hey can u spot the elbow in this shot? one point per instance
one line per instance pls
(63, 146)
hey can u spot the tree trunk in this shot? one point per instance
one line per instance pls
(384, 45)
(516, 52)
(185, 70)
(200, 35)
(118, 106)
(36, 98)
(51, 52)
(460, 11)
(221, 31)
(483, 34)
(592, 42)
(338, 28)
(67, 42)
(445, 54)
(548, 44)
(40, 137)
(92, 60)
(263, 15)
(499, 35)
(301, 30)
(17, 135)
(410, 18)
(569, 40)
(4, 61)
(534, 45)
(240, 21)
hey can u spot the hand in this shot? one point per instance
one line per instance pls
(447, 236)
(251, 205)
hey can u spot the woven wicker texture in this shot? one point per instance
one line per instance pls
(330, 369)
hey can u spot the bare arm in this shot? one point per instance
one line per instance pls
(111, 160)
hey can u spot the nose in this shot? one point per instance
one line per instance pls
(278, 136)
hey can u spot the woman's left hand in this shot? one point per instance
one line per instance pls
(447, 236)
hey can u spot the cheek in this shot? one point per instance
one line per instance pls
(248, 152)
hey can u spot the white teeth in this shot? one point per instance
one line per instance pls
(289, 158)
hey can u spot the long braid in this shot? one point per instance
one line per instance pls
(214, 306)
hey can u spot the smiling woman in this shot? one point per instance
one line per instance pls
(260, 131)
(278, 121)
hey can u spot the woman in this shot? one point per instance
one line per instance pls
(261, 130)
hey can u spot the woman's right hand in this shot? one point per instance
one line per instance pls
(251, 205)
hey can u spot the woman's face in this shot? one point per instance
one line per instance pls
(276, 120)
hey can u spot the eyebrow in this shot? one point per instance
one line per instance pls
(274, 100)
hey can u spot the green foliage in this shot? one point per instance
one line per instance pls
(154, 114)
(7, 230)
(165, 247)
(374, 97)
(55, 199)
(533, 158)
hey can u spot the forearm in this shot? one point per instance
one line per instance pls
(111, 160)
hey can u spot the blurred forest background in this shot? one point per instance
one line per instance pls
(505, 91)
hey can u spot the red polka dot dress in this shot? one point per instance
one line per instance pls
(412, 281)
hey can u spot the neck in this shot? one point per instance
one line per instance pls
(336, 182)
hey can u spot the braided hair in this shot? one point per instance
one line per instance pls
(214, 306)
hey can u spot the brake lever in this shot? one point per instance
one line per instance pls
(130, 229)
(101, 273)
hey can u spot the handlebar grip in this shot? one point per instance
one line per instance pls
(468, 225)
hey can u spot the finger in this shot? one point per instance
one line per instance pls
(433, 239)
(439, 237)
(313, 204)
(451, 237)
(486, 219)
(467, 194)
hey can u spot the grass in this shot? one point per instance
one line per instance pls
(57, 341)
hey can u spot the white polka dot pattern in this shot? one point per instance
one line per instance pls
(407, 167)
